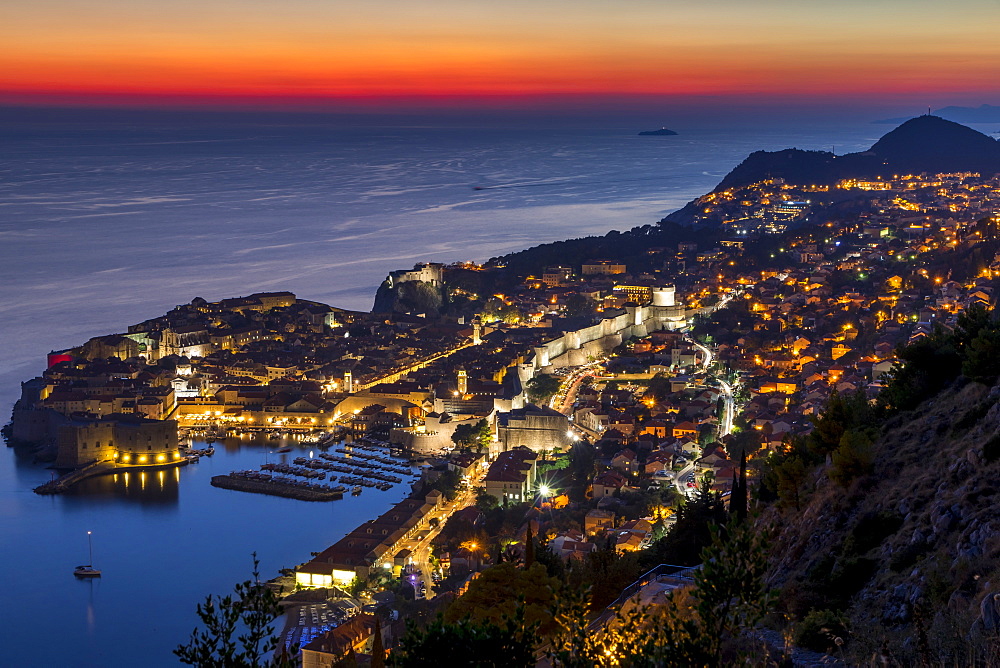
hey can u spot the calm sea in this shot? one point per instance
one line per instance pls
(109, 219)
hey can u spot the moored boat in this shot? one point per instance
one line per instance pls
(88, 570)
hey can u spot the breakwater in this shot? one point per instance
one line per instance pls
(275, 488)
(67, 480)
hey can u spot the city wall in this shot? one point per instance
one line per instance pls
(576, 347)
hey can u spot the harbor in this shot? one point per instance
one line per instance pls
(194, 517)
(361, 464)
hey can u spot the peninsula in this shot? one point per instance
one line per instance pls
(799, 336)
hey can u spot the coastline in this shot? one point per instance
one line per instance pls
(280, 280)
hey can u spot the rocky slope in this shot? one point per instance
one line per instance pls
(910, 555)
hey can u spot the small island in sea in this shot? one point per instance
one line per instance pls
(662, 132)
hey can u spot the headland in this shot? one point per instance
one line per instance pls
(600, 379)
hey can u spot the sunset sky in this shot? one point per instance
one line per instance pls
(301, 51)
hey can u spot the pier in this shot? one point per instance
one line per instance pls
(276, 488)
(94, 469)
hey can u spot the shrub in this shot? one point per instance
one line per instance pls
(819, 630)
(991, 451)
(907, 556)
(974, 415)
(871, 530)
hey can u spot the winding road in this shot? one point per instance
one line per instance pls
(726, 420)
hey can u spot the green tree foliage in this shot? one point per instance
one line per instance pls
(579, 306)
(448, 483)
(792, 475)
(977, 339)
(473, 436)
(745, 441)
(926, 367)
(690, 534)
(971, 323)
(529, 548)
(853, 459)
(238, 631)
(542, 386)
(844, 433)
(730, 586)
(485, 502)
(738, 496)
(843, 412)
(507, 643)
(356, 586)
(605, 573)
(704, 628)
(820, 629)
(659, 387)
(982, 358)
(495, 593)
(495, 309)
(553, 563)
(728, 324)
(560, 464)
(378, 651)
(581, 466)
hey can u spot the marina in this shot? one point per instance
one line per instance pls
(262, 483)
(362, 463)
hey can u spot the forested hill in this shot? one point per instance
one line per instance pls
(632, 248)
(926, 144)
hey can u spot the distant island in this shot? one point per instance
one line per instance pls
(662, 132)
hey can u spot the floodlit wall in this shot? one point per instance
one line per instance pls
(574, 348)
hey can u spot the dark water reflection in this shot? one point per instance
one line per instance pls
(157, 487)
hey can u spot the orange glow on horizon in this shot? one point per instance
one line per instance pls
(222, 49)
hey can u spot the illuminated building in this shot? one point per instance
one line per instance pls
(126, 440)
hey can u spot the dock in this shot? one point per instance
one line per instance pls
(94, 469)
(274, 488)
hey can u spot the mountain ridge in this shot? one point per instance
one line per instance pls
(927, 143)
(984, 113)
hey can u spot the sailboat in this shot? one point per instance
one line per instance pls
(88, 570)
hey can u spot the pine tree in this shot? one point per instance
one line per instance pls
(378, 653)
(529, 548)
(252, 608)
(738, 498)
